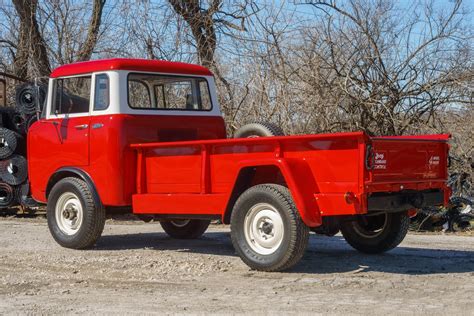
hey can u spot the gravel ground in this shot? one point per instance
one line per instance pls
(135, 268)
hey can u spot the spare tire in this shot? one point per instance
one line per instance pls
(14, 171)
(260, 129)
(8, 142)
(27, 96)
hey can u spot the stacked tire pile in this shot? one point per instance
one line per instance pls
(14, 125)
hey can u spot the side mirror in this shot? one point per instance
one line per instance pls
(3, 93)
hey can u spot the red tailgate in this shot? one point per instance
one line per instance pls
(410, 162)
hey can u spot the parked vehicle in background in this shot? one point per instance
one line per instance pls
(148, 137)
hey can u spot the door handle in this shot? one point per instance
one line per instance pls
(82, 126)
(97, 125)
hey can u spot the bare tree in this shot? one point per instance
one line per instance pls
(205, 19)
(394, 68)
(51, 32)
(71, 30)
(30, 47)
(201, 23)
(152, 31)
(89, 44)
(348, 65)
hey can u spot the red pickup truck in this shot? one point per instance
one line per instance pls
(148, 137)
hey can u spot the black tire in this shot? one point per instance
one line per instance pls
(377, 233)
(185, 229)
(22, 192)
(17, 122)
(27, 96)
(7, 195)
(460, 203)
(23, 196)
(14, 170)
(460, 213)
(260, 129)
(9, 141)
(93, 220)
(295, 233)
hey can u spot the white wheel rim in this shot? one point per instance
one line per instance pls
(69, 213)
(180, 222)
(263, 228)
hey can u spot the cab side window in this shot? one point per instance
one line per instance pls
(72, 95)
(101, 94)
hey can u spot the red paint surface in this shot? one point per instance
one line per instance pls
(413, 162)
(160, 66)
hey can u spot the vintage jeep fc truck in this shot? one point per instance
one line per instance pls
(148, 137)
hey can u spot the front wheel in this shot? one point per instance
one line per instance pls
(75, 219)
(185, 228)
(376, 233)
(266, 229)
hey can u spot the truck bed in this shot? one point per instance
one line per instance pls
(327, 174)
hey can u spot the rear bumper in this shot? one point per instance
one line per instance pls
(404, 200)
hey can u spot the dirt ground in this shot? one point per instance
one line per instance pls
(136, 268)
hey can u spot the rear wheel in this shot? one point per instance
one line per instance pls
(185, 228)
(376, 233)
(266, 229)
(74, 218)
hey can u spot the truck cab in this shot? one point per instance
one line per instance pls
(96, 109)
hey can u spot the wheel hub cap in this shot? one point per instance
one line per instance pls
(267, 228)
(69, 213)
(263, 228)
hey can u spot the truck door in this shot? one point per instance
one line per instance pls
(61, 138)
(70, 115)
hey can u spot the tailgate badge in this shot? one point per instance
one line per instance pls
(434, 160)
(380, 161)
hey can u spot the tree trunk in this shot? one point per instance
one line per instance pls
(202, 26)
(20, 61)
(32, 43)
(92, 34)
